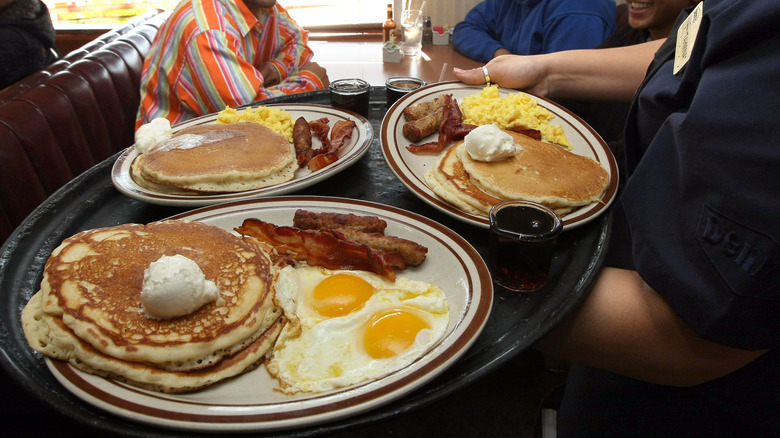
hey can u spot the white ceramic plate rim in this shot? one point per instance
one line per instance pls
(349, 154)
(248, 402)
(410, 168)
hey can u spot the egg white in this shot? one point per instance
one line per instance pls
(315, 354)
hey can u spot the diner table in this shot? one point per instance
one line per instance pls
(363, 60)
(516, 321)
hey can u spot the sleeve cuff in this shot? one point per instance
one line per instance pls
(313, 78)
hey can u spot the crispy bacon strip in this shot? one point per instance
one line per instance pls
(341, 133)
(321, 248)
(367, 230)
(533, 133)
(317, 162)
(412, 252)
(321, 129)
(328, 153)
(308, 220)
(305, 157)
(316, 159)
(460, 131)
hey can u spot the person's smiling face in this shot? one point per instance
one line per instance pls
(657, 16)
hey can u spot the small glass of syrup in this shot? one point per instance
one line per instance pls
(350, 94)
(522, 243)
(397, 87)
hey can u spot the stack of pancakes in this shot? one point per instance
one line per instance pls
(213, 158)
(89, 312)
(540, 172)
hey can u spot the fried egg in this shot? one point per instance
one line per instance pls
(347, 327)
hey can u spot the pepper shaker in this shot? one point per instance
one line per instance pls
(427, 32)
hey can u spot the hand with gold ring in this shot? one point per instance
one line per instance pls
(487, 75)
(526, 73)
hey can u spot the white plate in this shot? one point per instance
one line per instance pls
(410, 168)
(348, 155)
(249, 402)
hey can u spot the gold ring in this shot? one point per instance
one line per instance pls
(487, 76)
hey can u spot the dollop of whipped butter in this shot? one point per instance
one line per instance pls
(149, 134)
(490, 143)
(175, 286)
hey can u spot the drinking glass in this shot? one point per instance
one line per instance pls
(412, 23)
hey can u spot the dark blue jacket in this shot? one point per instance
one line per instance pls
(531, 27)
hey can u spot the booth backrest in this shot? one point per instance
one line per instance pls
(62, 120)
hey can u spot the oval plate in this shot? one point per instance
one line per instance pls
(410, 168)
(249, 402)
(348, 154)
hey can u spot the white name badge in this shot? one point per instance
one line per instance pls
(686, 37)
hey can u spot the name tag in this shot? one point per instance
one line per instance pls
(686, 37)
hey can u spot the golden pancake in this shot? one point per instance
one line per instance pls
(217, 158)
(539, 172)
(49, 335)
(449, 180)
(93, 283)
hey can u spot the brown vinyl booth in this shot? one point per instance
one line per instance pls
(62, 120)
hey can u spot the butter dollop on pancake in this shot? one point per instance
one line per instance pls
(88, 310)
(539, 172)
(217, 158)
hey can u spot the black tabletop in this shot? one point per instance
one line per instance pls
(516, 322)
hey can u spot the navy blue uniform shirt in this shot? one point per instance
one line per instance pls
(702, 204)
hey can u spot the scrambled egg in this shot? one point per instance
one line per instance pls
(512, 111)
(278, 120)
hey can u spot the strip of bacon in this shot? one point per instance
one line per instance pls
(460, 131)
(452, 119)
(321, 129)
(321, 248)
(367, 230)
(316, 159)
(533, 133)
(319, 161)
(340, 133)
(412, 252)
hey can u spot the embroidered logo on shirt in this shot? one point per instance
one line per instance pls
(686, 37)
(746, 259)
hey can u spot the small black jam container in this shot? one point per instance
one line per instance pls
(398, 86)
(350, 94)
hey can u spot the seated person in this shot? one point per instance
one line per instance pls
(530, 27)
(653, 20)
(637, 23)
(28, 39)
(684, 339)
(211, 54)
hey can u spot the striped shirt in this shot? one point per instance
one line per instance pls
(207, 56)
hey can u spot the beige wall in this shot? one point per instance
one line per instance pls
(442, 12)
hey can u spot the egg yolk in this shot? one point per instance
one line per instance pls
(340, 294)
(391, 333)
